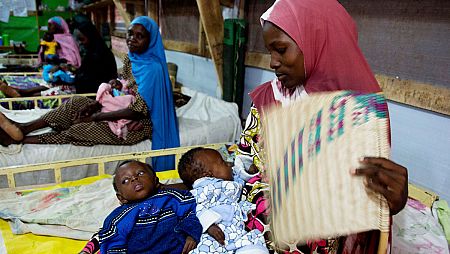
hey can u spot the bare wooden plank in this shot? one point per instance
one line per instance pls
(123, 13)
(410, 92)
(212, 20)
(153, 9)
(185, 47)
(99, 4)
(414, 93)
(258, 60)
(241, 10)
(201, 39)
(227, 3)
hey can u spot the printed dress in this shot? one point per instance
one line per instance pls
(159, 224)
(218, 203)
(92, 133)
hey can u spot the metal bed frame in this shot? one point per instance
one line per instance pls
(100, 162)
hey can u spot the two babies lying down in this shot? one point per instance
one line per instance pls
(154, 218)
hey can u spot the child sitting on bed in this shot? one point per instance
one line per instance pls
(219, 208)
(150, 219)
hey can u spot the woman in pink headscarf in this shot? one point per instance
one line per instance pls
(68, 49)
(314, 47)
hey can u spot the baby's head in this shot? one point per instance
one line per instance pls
(203, 162)
(116, 84)
(134, 181)
(48, 37)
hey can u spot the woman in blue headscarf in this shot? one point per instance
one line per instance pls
(149, 68)
(80, 121)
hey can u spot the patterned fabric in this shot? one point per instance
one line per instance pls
(255, 188)
(218, 202)
(250, 139)
(92, 133)
(159, 224)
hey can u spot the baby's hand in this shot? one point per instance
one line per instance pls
(189, 245)
(253, 169)
(216, 233)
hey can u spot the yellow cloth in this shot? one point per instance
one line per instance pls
(36, 244)
(51, 47)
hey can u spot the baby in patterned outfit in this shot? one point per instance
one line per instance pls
(151, 219)
(217, 189)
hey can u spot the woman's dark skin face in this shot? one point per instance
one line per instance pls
(82, 39)
(53, 29)
(286, 59)
(138, 39)
(382, 175)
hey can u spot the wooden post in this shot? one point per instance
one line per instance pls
(241, 12)
(212, 20)
(153, 10)
(123, 13)
(201, 39)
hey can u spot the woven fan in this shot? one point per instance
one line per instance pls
(310, 147)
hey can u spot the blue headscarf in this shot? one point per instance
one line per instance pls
(150, 72)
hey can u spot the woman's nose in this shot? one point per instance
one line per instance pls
(274, 62)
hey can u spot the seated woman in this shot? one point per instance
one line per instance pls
(98, 64)
(67, 51)
(313, 46)
(79, 121)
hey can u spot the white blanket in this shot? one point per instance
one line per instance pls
(74, 212)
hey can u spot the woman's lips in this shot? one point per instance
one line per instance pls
(281, 76)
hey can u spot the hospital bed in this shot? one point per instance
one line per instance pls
(203, 120)
(415, 230)
(46, 202)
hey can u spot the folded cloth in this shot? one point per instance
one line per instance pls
(443, 212)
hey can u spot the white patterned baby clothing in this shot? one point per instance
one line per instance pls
(218, 203)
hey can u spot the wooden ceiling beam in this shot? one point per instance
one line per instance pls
(212, 20)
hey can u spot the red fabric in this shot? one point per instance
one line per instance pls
(263, 96)
(327, 36)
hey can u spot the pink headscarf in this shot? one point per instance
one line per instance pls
(327, 36)
(68, 47)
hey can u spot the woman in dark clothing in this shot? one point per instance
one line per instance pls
(98, 64)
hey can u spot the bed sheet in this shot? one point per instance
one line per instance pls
(416, 230)
(203, 120)
(39, 242)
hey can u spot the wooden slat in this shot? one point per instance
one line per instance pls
(410, 92)
(99, 160)
(227, 3)
(212, 20)
(414, 93)
(20, 74)
(426, 197)
(99, 4)
(241, 11)
(123, 13)
(259, 60)
(153, 10)
(185, 47)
